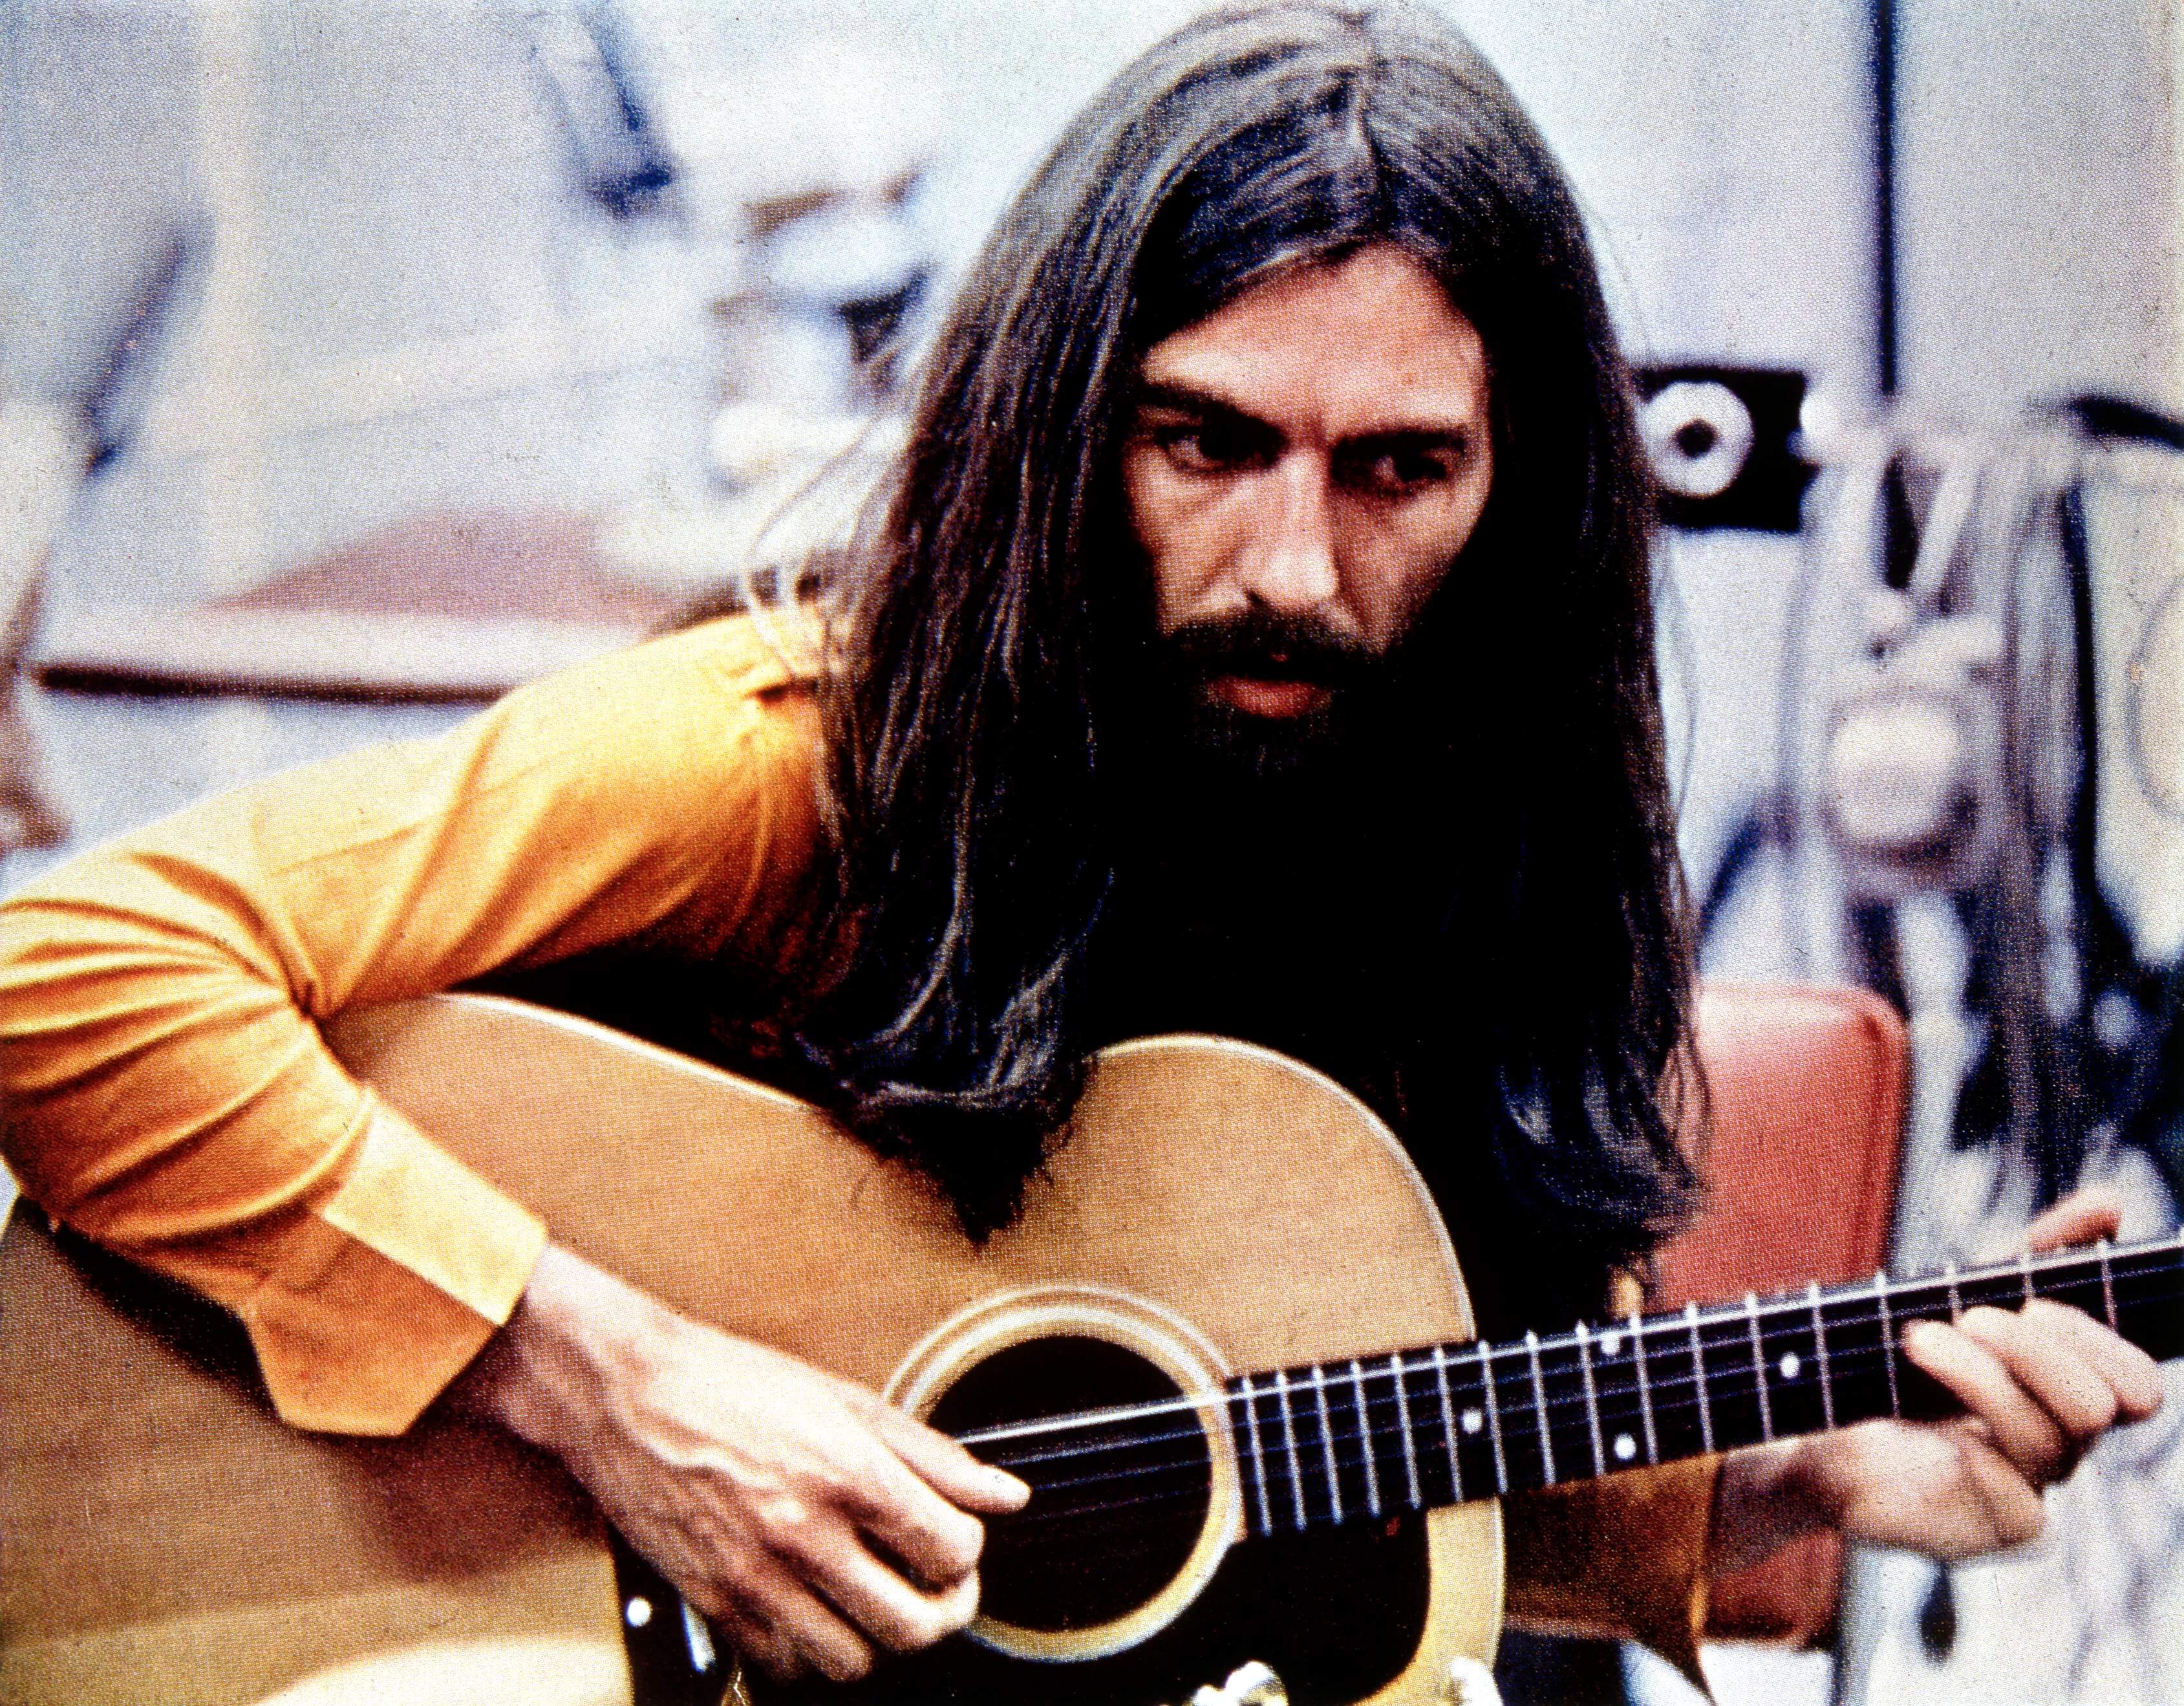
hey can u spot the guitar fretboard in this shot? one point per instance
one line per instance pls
(1333, 1442)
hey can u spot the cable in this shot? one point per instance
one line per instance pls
(2163, 799)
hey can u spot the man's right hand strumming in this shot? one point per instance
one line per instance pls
(806, 1516)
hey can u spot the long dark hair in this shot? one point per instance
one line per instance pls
(999, 583)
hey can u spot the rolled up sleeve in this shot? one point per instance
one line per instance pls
(1624, 1557)
(166, 1089)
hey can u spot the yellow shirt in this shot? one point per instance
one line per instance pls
(167, 1095)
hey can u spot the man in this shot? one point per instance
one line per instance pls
(1253, 636)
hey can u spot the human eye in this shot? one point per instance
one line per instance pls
(1209, 444)
(1400, 467)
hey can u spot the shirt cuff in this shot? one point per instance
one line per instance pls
(404, 1267)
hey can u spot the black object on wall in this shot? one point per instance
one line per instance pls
(1724, 444)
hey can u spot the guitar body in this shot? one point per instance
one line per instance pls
(1217, 1209)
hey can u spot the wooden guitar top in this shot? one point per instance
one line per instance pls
(163, 1538)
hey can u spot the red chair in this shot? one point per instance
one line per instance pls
(1807, 1094)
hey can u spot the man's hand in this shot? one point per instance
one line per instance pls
(2039, 1386)
(807, 1517)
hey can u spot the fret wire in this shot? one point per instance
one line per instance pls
(1365, 1428)
(1777, 1324)
(1909, 1301)
(1258, 1457)
(2107, 1285)
(1820, 1347)
(1569, 1376)
(2004, 1291)
(2167, 1250)
(1896, 1303)
(1722, 1332)
(1698, 1374)
(1289, 1433)
(1540, 1407)
(1645, 1389)
(1978, 1292)
(1772, 1331)
(2155, 1275)
(1565, 1389)
(1403, 1423)
(1348, 1438)
(2166, 1269)
(1327, 1442)
(1493, 1418)
(1897, 1317)
(1592, 1398)
(1759, 1366)
(2029, 1271)
(1955, 1297)
(2150, 1263)
(1887, 1339)
(1676, 1394)
(1717, 1381)
(1448, 1423)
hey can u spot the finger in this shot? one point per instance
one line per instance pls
(809, 1629)
(2010, 1504)
(2046, 1361)
(2133, 1376)
(2081, 1218)
(888, 1608)
(2022, 1430)
(947, 1468)
(779, 1623)
(759, 1643)
(722, 1602)
(936, 1543)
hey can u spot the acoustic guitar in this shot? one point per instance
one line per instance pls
(1226, 1343)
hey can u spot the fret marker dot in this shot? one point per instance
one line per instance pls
(1473, 1421)
(1625, 1448)
(1610, 1343)
(1791, 1365)
(639, 1612)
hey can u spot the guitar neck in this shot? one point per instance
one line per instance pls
(1334, 1443)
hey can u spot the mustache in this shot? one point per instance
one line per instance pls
(1271, 646)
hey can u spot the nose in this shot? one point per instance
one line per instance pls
(1287, 564)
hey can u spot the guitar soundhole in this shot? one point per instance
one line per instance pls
(1117, 1507)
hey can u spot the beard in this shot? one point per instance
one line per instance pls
(1230, 742)
(1184, 764)
(1274, 875)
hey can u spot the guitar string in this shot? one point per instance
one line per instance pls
(1672, 1402)
(1565, 1397)
(1673, 1395)
(1668, 1409)
(1194, 1486)
(1317, 1514)
(1734, 1348)
(1736, 1318)
(1196, 1466)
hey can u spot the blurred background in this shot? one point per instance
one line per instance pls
(359, 361)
